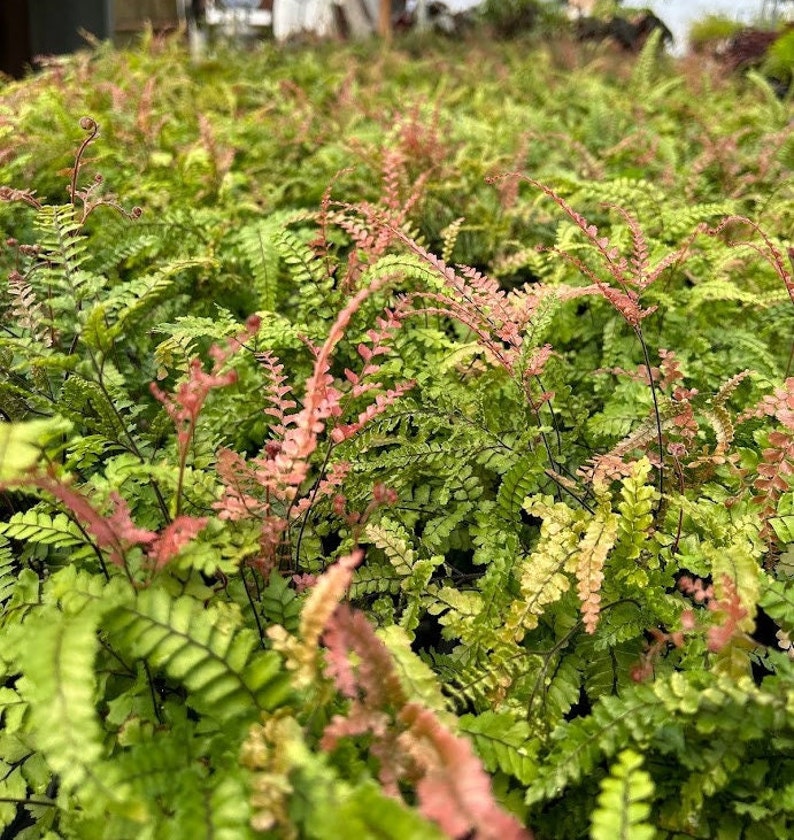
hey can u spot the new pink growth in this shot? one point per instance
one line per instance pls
(409, 741)
(116, 533)
(729, 605)
(454, 791)
(174, 538)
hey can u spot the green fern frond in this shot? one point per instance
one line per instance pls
(681, 220)
(262, 248)
(542, 575)
(176, 351)
(373, 578)
(89, 404)
(7, 571)
(129, 303)
(724, 289)
(207, 652)
(437, 531)
(641, 197)
(623, 809)
(777, 601)
(393, 540)
(60, 275)
(304, 265)
(59, 686)
(37, 526)
(636, 510)
(279, 602)
(580, 744)
(416, 677)
(519, 482)
(645, 83)
(216, 810)
(503, 743)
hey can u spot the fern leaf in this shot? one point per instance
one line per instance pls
(597, 542)
(777, 600)
(416, 677)
(131, 302)
(214, 812)
(7, 572)
(176, 351)
(366, 813)
(623, 807)
(392, 539)
(783, 521)
(374, 579)
(519, 482)
(36, 526)
(636, 510)
(59, 686)
(280, 603)
(214, 659)
(541, 576)
(258, 244)
(21, 445)
(580, 744)
(304, 265)
(503, 743)
(63, 251)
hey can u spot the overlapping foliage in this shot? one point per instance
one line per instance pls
(402, 448)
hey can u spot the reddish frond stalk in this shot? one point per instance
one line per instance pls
(409, 741)
(115, 533)
(185, 404)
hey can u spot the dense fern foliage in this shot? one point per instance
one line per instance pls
(395, 444)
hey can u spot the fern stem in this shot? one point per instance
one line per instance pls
(89, 125)
(656, 412)
(152, 692)
(96, 549)
(248, 595)
(45, 803)
(314, 490)
(133, 447)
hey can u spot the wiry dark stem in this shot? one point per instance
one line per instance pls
(91, 126)
(656, 412)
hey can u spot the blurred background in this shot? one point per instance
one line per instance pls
(32, 28)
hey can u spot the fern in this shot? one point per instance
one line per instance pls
(36, 526)
(503, 743)
(7, 571)
(216, 662)
(622, 810)
(60, 686)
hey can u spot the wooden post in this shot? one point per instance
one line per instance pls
(384, 19)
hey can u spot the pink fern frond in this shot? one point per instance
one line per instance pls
(325, 596)
(454, 790)
(27, 310)
(374, 409)
(115, 533)
(277, 394)
(174, 537)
